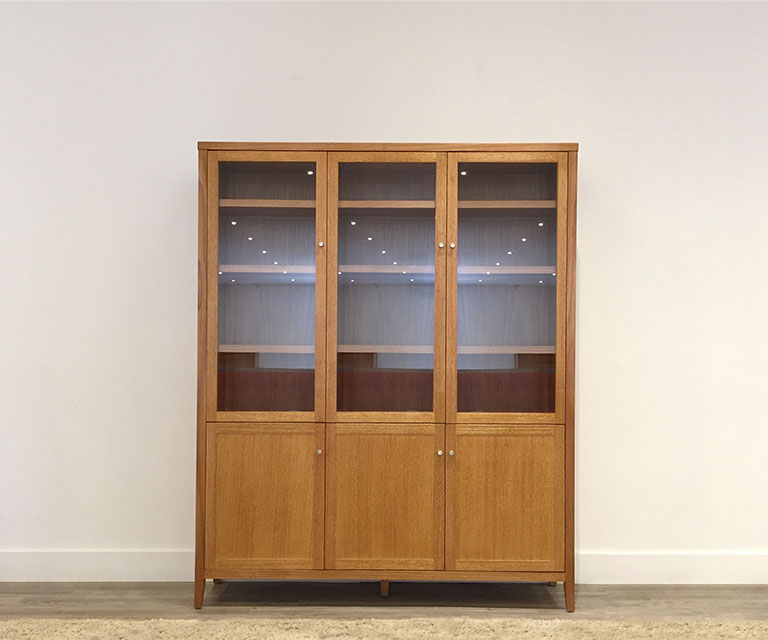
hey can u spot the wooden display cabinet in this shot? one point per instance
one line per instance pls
(386, 362)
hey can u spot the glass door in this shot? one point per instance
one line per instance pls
(266, 286)
(386, 293)
(506, 292)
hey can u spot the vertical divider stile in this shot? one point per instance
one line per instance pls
(332, 293)
(451, 288)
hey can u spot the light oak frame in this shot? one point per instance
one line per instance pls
(438, 399)
(209, 154)
(454, 159)
(214, 158)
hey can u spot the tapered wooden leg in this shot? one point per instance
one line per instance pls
(384, 588)
(570, 596)
(199, 590)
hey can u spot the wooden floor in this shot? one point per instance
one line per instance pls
(344, 600)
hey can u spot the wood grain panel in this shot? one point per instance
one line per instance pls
(505, 498)
(265, 496)
(385, 496)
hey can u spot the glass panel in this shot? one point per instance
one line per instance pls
(266, 359)
(507, 252)
(386, 287)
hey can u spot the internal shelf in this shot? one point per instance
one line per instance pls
(386, 204)
(481, 350)
(385, 268)
(475, 269)
(507, 204)
(266, 204)
(266, 268)
(382, 348)
(266, 348)
(523, 270)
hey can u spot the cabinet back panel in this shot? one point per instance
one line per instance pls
(386, 181)
(262, 239)
(267, 314)
(507, 181)
(267, 180)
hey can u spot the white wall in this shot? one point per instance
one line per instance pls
(100, 110)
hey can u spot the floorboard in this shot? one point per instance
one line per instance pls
(344, 600)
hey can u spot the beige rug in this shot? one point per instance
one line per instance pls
(443, 628)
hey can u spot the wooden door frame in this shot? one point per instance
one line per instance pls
(438, 389)
(314, 429)
(453, 432)
(439, 506)
(212, 236)
(452, 415)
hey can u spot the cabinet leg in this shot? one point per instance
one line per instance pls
(570, 596)
(384, 588)
(199, 591)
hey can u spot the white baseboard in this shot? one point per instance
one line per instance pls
(111, 565)
(674, 567)
(592, 567)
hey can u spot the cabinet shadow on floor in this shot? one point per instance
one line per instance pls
(367, 594)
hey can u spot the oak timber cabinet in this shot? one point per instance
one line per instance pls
(386, 362)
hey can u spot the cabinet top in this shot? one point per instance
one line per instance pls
(387, 146)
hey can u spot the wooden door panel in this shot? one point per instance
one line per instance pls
(385, 496)
(505, 498)
(264, 496)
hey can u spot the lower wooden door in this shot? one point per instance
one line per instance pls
(385, 496)
(264, 496)
(505, 498)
